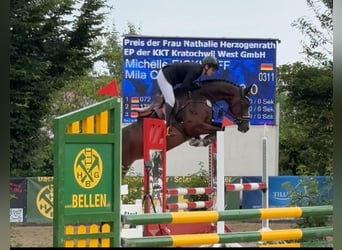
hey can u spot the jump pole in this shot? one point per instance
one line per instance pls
(264, 202)
(238, 214)
(220, 190)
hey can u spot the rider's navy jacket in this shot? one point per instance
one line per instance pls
(182, 73)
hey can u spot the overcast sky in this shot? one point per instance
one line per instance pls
(217, 19)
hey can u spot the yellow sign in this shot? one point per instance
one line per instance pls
(88, 200)
(44, 201)
(88, 168)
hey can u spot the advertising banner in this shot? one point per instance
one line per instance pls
(242, 61)
(232, 199)
(278, 195)
(31, 198)
(89, 175)
(279, 187)
(39, 199)
(18, 200)
(251, 198)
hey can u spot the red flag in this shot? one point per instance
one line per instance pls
(110, 89)
(226, 122)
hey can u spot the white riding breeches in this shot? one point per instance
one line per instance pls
(166, 89)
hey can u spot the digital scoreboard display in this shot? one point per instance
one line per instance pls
(242, 61)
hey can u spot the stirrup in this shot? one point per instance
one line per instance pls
(168, 129)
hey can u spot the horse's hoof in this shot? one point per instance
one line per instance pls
(195, 142)
(207, 142)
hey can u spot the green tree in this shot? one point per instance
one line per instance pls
(49, 47)
(319, 47)
(82, 91)
(111, 52)
(306, 119)
(112, 55)
(305, 96)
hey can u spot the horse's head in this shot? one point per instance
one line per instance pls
(234, 95)
(239, 109)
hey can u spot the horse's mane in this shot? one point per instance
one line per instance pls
(218, 80)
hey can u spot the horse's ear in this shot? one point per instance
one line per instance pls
(247, 90)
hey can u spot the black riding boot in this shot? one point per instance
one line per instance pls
(168, 111)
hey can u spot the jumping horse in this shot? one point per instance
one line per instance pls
(191, 117)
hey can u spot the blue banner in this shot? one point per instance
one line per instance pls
(251, 198)
(242, 61)
(279, 187)
(278, 194)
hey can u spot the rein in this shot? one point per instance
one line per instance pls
(242, 117)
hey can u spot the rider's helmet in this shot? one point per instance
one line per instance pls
(211, 62)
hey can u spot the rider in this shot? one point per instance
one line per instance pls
(185, 74)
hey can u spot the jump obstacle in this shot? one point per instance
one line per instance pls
(232, 237)
(87, 183)
(155, 176)
(87, 176)
(156, 192)
(152, 126)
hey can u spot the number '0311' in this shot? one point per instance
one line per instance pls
(266, 77)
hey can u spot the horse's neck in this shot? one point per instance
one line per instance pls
(215, 93)
(210, 92)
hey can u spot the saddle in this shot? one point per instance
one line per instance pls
(157, 107)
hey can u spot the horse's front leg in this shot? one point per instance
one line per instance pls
(205, 129)
(196, 142)
(205, 141)
(209, 139)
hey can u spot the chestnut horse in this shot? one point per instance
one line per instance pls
(191, 118)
